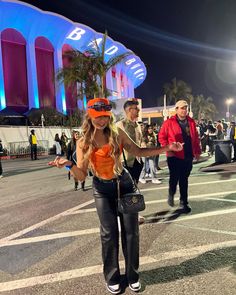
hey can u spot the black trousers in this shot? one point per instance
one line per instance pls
(33, 151)
(105, 194)
(136, 170)
(179, 173)
(0, 166)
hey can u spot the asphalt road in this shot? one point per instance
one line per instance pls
(50, 244)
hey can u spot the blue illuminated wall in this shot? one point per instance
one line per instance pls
(32, 23)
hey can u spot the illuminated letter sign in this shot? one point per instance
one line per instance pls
(111, 50)
(95, 43)
(130, 61)
(135, 66)
(138, 71)
(76, 34)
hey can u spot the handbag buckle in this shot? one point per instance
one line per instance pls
(134, 200)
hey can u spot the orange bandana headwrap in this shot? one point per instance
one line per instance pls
(99, 107)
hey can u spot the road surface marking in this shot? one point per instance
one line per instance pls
(164, 201)
(190, 184)
(231, 233)
(162, 219)
(40, 224)
(97, 269)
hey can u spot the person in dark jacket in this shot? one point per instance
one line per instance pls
(71, 149)
(180, 128)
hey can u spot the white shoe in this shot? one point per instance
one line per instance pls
(135, 286)
(1, 176)
(142, 180)
(156, 181)
(114, 289)
(146, 175)
(149, 175)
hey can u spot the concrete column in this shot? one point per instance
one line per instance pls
(60, 89)
(2, 89)
(33, 93)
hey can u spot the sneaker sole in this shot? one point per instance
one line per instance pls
(113, 292)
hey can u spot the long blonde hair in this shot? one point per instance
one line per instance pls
(88, 144)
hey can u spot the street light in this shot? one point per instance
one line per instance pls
(229, 101)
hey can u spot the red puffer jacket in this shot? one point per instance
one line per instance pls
(171, 132)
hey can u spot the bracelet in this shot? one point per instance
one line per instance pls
(68, 167)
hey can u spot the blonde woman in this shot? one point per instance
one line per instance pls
(100, 149)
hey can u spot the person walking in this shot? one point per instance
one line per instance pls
(71, 149)
(149, 140)
(100, 147)
(1, 154)
(33, 145)
(180, 128)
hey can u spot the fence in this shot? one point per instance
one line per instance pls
(22, 148)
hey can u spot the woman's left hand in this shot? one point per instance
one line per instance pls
(175, 146)
(59, 162)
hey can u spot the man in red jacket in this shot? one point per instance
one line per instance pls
(180, 128)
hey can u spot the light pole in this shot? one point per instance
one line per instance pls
(228, 103)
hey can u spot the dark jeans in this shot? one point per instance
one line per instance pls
(179, 173)
(136, 170)
(0, 166)
(105, 194)
(33, 151)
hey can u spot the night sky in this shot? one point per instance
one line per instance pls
(192, 40)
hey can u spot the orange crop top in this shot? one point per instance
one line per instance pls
(103, 162)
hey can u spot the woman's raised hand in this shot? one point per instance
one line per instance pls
(176, 146)
(59, 162)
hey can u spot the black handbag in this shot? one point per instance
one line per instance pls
(130, 202)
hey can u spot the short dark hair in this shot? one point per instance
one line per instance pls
(130, 102)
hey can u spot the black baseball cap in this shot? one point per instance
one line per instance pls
(130, 102)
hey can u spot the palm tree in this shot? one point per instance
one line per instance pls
(100, 66)
(88, 70)
(203, 107)
(176, 90)
(78, 74)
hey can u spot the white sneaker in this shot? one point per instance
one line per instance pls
(142, 180)
(1, 176)
(114, 289)
(146, 175)
(156, 181)
(149, 175)
(135, 286)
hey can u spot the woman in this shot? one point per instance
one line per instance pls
(58, 144)
(149, 140)
(100, 148)
(71, 148)
(64, 140)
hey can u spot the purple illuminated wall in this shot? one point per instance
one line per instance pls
(44, 54)
(14, 68)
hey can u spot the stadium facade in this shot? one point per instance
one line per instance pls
(31, 52)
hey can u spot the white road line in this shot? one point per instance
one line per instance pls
(37, 225)
(163, 219)
(97, 269)
(190, 184)
(231, 233)
(50, 237)
(223, 200)
(164, 201)
(196, 196)
(202, 215)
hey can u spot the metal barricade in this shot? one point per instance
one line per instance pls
(22, 148)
